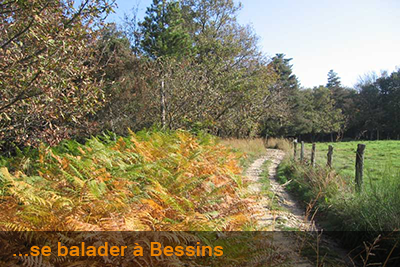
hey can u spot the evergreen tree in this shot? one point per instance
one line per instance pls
(164, 36)
(163, 31)
(344, 99)
(283, 68)
(333, 80)
(287, 87)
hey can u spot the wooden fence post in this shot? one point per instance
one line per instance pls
(359, 166)
(330, 155)
(302, 151)
(295, 150)
(313, 155)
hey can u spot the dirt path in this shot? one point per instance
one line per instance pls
(276, 220)
(288, 214)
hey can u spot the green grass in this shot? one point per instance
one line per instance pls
(354, 217)
(382, 158)
(340, 208)
(264, 180)
(266, 187)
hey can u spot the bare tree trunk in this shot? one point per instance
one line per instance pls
(163, 104)
(112, 123)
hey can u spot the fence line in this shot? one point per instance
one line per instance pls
(359, 166)
(329, 156)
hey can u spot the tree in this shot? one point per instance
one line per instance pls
(378, 101)
(131, 29)
(207, 67)
(287, 80)
(46, 67)
(280, 119)
(333, 80)
(344, 100)
(389, 86)
(122, 72)
(164, 37)
(238, 75)
(314, 113)
(163, 31)
(326, 117)
(370, 115)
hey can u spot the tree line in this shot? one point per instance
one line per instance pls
(66, 73)
(334, 112)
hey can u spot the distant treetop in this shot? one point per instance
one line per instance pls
(333, 80)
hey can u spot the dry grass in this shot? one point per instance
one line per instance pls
(279, 143)
(254, 147)
(251, 148)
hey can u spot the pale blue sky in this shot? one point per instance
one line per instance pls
(352, 37)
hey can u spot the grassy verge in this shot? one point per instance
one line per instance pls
(376, 208)
(357, 217)
(310, 245)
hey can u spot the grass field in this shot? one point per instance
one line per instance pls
(376, 208)
(363, 216)
(382, 158)
(357, 218)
